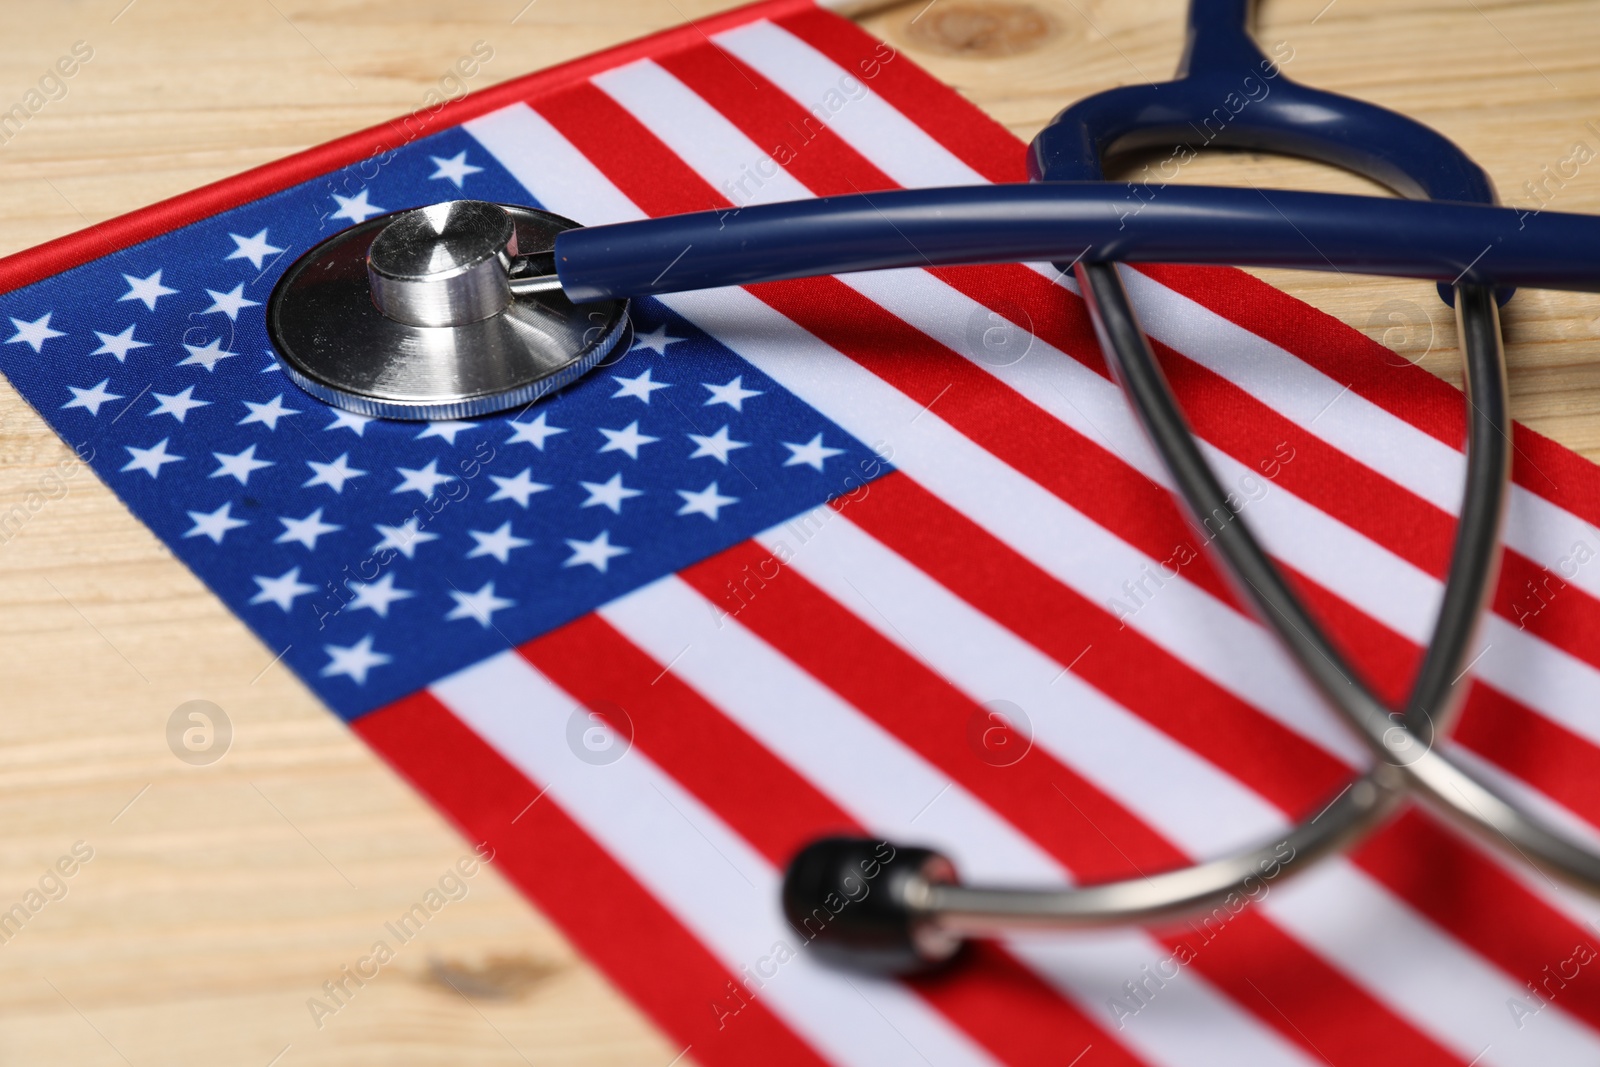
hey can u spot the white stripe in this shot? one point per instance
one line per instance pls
(864, 768)
(1543, 531)
(1165, 784)
(1423, 972)
(1554, 538)
(886, 786)
(843, 102)
(545, 163)
(715, 148)
(711, 880)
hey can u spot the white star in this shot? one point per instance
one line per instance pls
(497, 544)
(423, 481)
(148, 290)
(355, 208)
(404, 538)
(628, 439)
(707, 502)
(255, 249)
(333, 475)
(532, 433)
(480, 605)
(267, 414)
(33, 334)
(91, 399)
(377, 596)
(455, 168)
(734, 394)
(150, 460)
(117, 344)
(812, 453)
(178, 405)
(640, 387)
(446, 430)
(354, 661)
(214, 524)
(230, 303)
(717, 446)
(349, 420)
(597, 553)
(656, 340)
(306, 530)
(282, 590)
(611, 494)
(519, 488)
(239, 465)
(207, 356)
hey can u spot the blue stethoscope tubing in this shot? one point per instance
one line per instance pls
(1093, 220)
(918, 913)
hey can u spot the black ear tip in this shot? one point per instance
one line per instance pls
(847, 898)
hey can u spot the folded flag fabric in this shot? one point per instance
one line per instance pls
(881, 553)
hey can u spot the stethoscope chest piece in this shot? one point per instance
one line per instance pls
(419, 314)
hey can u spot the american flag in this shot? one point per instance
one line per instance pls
(881, 553)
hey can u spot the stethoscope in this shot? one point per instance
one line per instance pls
(465, 307)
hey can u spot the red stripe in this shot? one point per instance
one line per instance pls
(1087, 830)
(1281, 765)
(608, 915)
(938, 110)
(63, 253)
(765, 801)
(812, 153)
(660, 183)
(1559, 763)
(1408, 392)
(1485, 907)
(1540, 601)
(1001, 1004)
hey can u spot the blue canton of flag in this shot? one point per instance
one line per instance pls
(377, 556)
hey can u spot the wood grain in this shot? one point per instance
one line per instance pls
(220, 898)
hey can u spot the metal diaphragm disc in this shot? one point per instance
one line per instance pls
(335, 344)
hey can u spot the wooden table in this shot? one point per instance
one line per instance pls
(220, 898)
